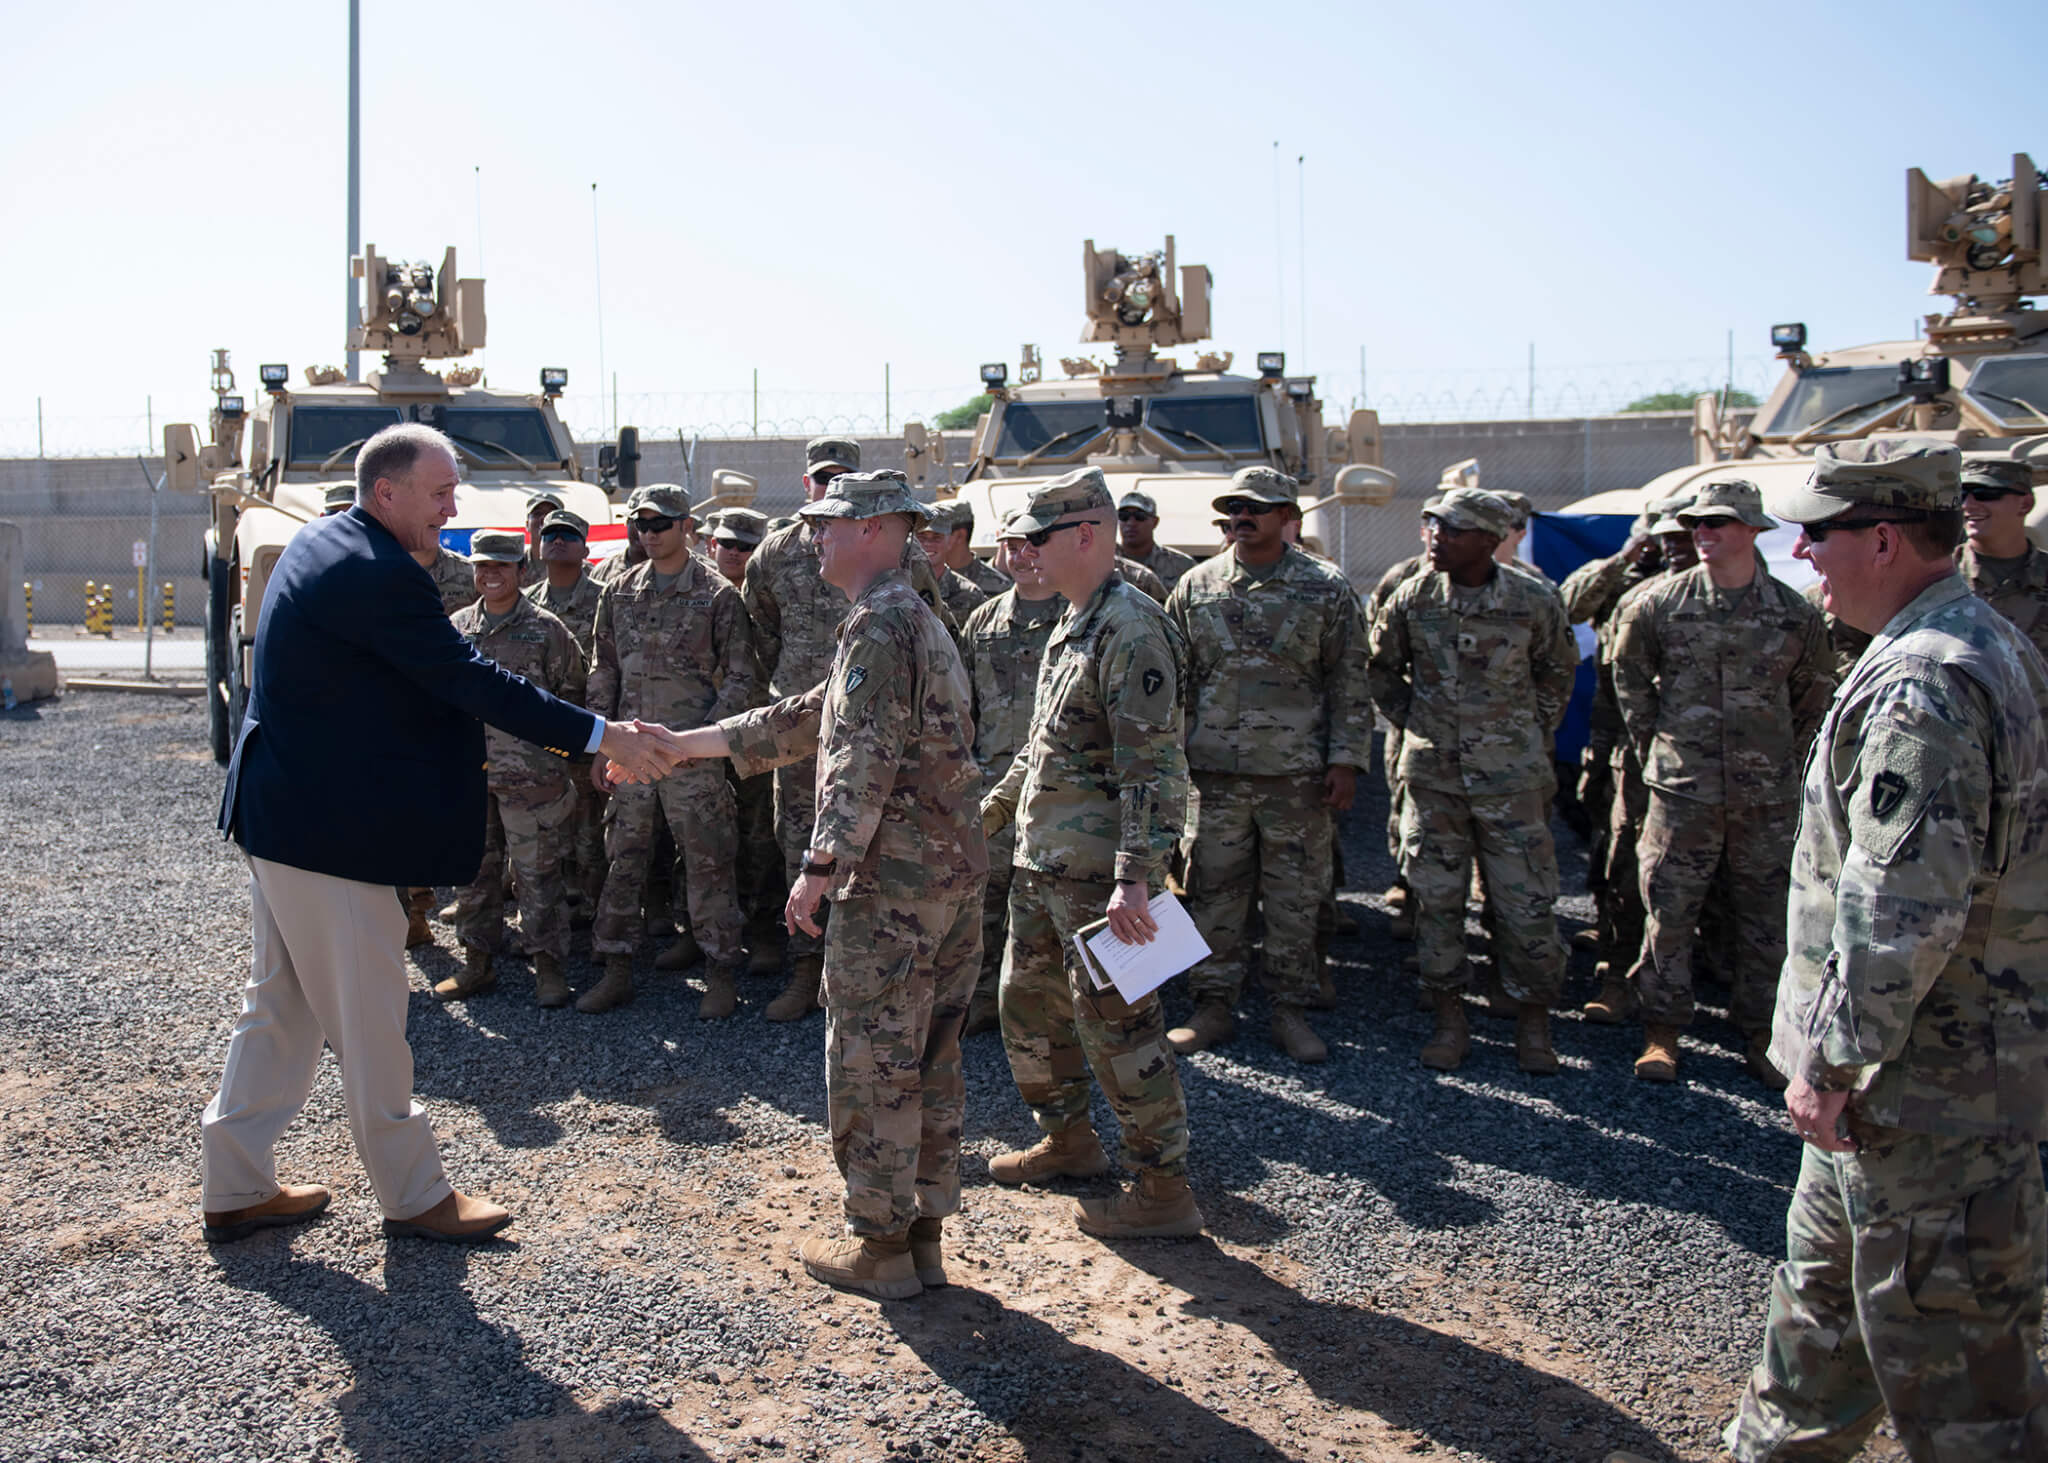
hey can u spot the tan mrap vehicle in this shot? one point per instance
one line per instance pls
(1153, 424)
(1978, 376)
(268, 466)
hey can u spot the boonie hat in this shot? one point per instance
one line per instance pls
(668, 498)
(1260, 484)
(339, 495)
(1077, 492)
(1998, 472)
(840, 452)
(1140, 501)
(868, 495)
(1896, 472)
(945, 517)
(497, 546)
(1475, 508)
(563, 518)
(1734, 498)
(741, 526)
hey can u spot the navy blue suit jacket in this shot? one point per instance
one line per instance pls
(362, 755)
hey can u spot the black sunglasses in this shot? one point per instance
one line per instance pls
(1990, 495)
(550, 535)
(1818, 532)
(661, 523)
(1039, 538)
(1231, 507)
(1131, 515)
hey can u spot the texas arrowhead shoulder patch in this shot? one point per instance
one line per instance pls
(854, 676)
(1887, 791)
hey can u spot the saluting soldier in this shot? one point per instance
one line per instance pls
(531, 803)
(1098, 796)
(1912, 1017)
(896, 844)
(1279, 724)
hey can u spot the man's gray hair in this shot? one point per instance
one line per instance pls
(392, 453)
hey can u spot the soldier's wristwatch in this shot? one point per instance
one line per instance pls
(821, 871)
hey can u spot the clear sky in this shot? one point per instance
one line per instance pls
(815, 190)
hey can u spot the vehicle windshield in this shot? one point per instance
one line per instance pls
(1822, 391)
(318, 432)
(2014, 389)
(1030, 425)
(520, 429)
(1229, 422)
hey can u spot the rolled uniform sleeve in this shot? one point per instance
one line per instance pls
(1141, 692)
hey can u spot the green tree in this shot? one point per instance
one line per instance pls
(1682, 400)
(963, 415)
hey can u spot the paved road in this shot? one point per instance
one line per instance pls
(183, 653)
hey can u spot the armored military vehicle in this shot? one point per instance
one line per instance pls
(1171, 429)
(268, 464)
(1977, 377)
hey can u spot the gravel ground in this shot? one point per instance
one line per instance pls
(1481, 1265)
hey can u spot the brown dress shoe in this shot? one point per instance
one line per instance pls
(457, 1219)
(291, 1204)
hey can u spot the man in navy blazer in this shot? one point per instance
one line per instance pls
(358, 771)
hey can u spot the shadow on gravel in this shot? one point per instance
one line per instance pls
(1414, 1379)
(1059, 1400)
(433, 1379)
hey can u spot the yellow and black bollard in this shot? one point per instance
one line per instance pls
(28, 597)
(92, 608)
(170, 605)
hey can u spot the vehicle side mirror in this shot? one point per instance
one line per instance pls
(181, 457)
(628, 458)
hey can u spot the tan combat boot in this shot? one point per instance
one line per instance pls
(983, 1014)
(616, 989)
(800, 997)
(876, 1265)
(926, 1255)
(764, 955)
(416, 931)
(1213, 1024)
(1074, 1153)
(477, 977)
(1533, 1052)
(1452, 1038)
(1292, 1034)
(1659, 1061)
(1616, 1002)
(721, 995)
(549, 989)
(682, 953)
(1757, 1057)
(1157, 1206)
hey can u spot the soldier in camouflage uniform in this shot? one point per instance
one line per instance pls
(1141, 579)
(1473, 663)
(1002, 645)
(634, 553)
(734, 537)
(796, 617)
(1722, 674)
(531, 800)
(955, 520)
(1913, 1013)
(897, 845)
(532, 568)
(1400, 908)
(1999, 562)
(1279, 723)
(566, 590)
(1137, 519)
(735, 534)
(962, 595)
(1844, 639)
(1098, 796)
(672, 645)
(456, 582)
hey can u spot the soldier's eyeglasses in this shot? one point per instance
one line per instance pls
(1232, 507)
(1990, 495)
(651, 524)
(1040, 537)
(1131, 515)
(1818, 532)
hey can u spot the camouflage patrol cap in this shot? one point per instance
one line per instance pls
(1735, 498)
(2003, 474)
(1079, 491)
(1261, 485)
(339, 495)
(1475, 508)
(741, 526)
(1140, 501)
(543, 500)
(1524, 506)
(785, 521)
(1876, 473)
(497, 546)
(840, 452)
(668, 498)
(563, 518)
(868, 495)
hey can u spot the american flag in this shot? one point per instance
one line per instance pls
(605, 539)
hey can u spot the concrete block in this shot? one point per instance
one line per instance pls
(30, 675)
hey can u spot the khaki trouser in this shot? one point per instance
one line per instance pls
(329, 968)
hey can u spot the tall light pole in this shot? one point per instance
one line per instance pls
(355, 168)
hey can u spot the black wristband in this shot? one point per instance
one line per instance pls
(822, 871)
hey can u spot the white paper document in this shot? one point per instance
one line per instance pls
(1138, 970)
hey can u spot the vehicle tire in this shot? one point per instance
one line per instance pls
(238, 692)
(220, 732)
